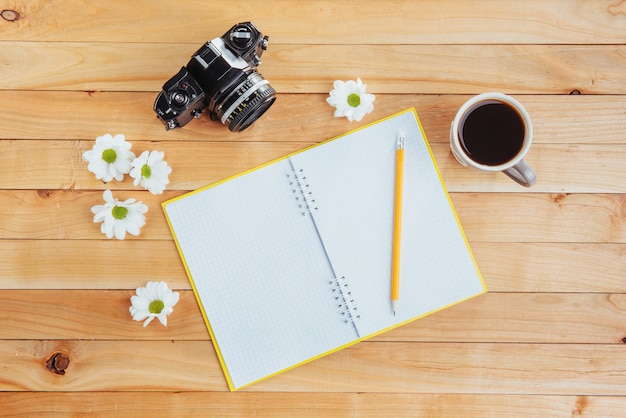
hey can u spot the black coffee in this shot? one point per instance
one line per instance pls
(493, 133)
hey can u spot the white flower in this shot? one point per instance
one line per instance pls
(119, 217)
(109, 158)
(154, 300)
(151, 171)
(351, 100)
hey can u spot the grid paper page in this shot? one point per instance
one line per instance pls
(353, 180)
(261, 273)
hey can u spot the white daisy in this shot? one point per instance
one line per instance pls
(119, 217)
(156, 300)
(110, 157)
(151, 171)
(351, 100)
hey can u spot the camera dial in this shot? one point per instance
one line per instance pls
(179, 98)
(241, 37)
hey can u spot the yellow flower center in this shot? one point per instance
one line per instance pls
(354, 100)
(109, 155)
(119, 212)
(156, 306)
(146, 171)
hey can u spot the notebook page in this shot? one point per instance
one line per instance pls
(353, 179)
(437, 269)
(260, 272)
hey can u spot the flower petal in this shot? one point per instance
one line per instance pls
(107, 195)
(145, 294)
(162, 291)
(163, 318)
(150, 318)
(152, 290)
(172, 299)
(119, 229)
(139, 315)
(139, 302)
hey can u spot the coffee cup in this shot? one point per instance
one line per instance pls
(493, 132)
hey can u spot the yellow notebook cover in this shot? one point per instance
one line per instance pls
(291, 261)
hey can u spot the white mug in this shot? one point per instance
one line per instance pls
(493, 132)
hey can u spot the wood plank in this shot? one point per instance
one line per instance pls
(462, 368)
(495, 317)
(521, 69)
(109, 265)
(194, 165)
(427, 21)
(129, 365)
(547, 267)
(555, 217)
(577, 168)
(309, 405)
(560, 168)
(557, 119)
(94, 315)
(104, 264)
(65, 214)
(538, 318)
(432, 69)
(383, 367)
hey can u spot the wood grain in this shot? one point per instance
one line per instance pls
(51, 264)
(382, 367)
(67, 115)
(431, 21)
(582, 318)
(104, 264)
(65, 214)
(552, 267)
(561, 217)
(314, 405)
(572, 168)
(430, 69)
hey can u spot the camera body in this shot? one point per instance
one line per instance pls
(221, 77)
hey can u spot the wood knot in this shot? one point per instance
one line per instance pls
(575, 92)
(10, 15)
(558, 197)
(624, 340)
(44, 193)
(57, 363)
(580, 406)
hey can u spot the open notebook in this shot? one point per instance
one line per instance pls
(291, 261)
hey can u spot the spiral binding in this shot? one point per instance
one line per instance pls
(343, 297)
(302, 192)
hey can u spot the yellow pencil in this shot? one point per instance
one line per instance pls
(397, 224)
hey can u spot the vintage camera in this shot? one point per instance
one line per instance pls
(222, 77)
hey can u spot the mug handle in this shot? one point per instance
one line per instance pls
(522, 173)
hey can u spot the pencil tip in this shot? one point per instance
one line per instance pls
(400, 140)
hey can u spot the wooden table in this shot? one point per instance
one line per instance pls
(546, 341)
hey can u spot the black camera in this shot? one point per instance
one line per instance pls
(222, 77)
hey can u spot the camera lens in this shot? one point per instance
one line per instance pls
(247, 102)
